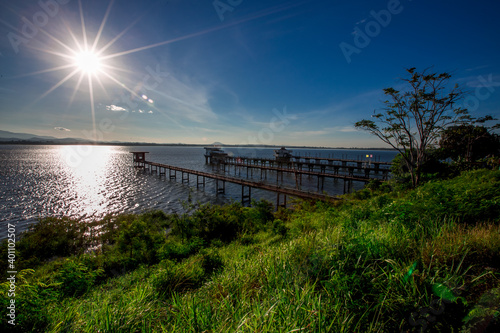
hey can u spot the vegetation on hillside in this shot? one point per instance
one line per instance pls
(381, 260)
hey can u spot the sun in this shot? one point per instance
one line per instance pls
(88, 62)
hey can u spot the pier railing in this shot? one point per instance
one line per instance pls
(296, 165)
(221, 179)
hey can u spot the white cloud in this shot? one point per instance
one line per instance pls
(346, 129)
(115, 108)
(62, 129)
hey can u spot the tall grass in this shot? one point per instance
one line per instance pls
(423, 260)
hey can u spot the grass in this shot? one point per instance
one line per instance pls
(379, 261)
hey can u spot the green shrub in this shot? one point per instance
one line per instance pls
(172, 277)
(177, 249)
(52, 237)
(212, 262)
(75, 279)
(139, 240)
(33, 300)
(279, 228)
(223, 223)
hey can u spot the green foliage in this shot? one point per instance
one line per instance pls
(172, 277)
(486, 313)
(468, 143)
(377, 261)
(33, 301)
(431, 168)
(52, 237)
(178, 249)
(223, 223)
(212, 262)
(75, 279)
(138, 239)
(474, 196)
(413, 119)
(279, 228)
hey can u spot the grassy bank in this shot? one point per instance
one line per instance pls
(381, 260)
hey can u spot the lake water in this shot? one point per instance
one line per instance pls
(89, 182)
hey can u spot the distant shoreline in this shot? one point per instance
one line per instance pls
(139, 144)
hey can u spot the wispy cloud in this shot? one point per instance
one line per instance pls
(344, 129)
(184, 99)
(310, 133)
(476, 68)
(485, 81)
(361, 21)
(62, 129)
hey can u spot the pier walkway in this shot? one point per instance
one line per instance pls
(220, 181)
(297, 172)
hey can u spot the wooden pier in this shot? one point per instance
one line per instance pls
(271, 164)
(297, 171)
(220, 182)
(311, 163)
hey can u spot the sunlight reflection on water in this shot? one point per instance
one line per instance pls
(89, 182)
(89, 176)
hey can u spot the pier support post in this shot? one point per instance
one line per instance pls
(185, 179)
(347, 185)
(367, 172)
(278, 203)
(198, 183)
(321, 183)
(222, 189)
(246, 198)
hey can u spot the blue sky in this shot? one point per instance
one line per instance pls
(234, 71)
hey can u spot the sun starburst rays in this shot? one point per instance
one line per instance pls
(88, 56)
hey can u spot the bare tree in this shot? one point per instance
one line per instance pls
(413, 120)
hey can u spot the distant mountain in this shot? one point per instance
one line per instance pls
(11, 136)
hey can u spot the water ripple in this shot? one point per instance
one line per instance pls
(89, 182)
